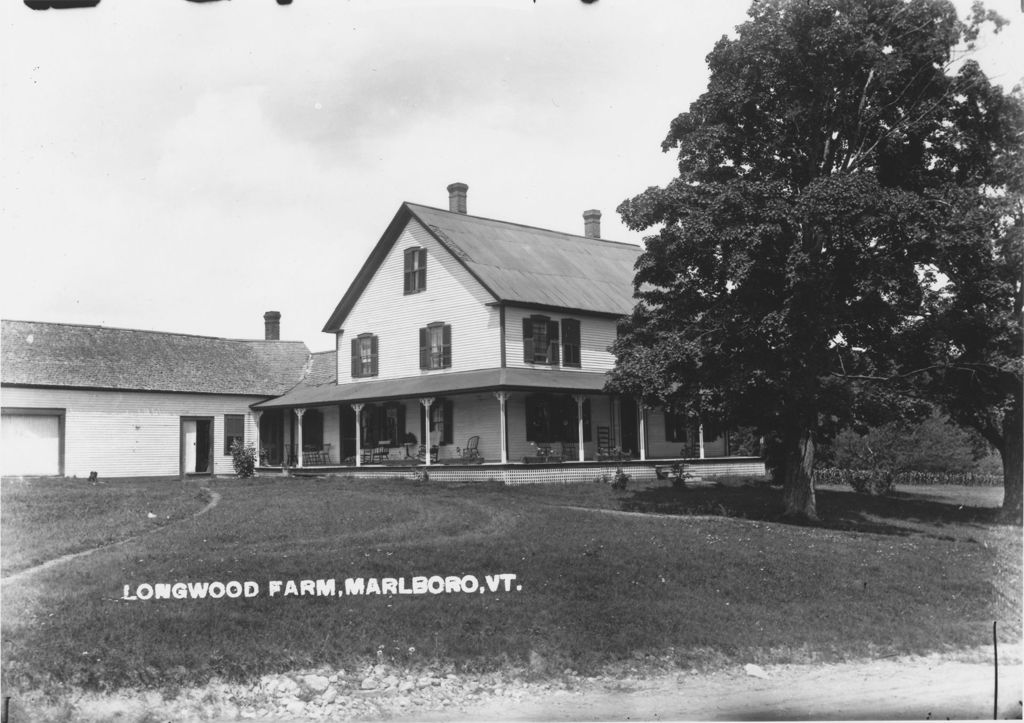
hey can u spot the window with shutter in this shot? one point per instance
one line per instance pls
(540, 340)
(436, 346)
(234, 431)
(364, 356)
(442, 421)
(415, 270)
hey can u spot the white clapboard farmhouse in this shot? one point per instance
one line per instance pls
(473, 346)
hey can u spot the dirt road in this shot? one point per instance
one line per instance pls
(917, 688)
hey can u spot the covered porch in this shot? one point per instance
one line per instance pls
(503, 417)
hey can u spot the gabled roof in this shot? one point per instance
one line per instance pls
(379, 390)
(97, 357)
(516, 264)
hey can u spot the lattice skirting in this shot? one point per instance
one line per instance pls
(562, 473)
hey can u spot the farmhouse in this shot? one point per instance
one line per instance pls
(462, 341)
(484, 340)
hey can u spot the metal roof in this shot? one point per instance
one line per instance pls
(438, 385)
(96, 357)
(527, 265)
(516, 264)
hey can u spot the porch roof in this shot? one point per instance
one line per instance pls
(438, 385)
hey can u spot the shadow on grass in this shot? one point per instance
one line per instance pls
(903, 513)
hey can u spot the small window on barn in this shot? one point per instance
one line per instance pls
(436, 346)
(571, 343)
(364, 356)
(540, 340)
(234, 431)
(415, 270)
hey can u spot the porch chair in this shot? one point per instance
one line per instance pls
(570, 451)
(422, 455)
(470, 453)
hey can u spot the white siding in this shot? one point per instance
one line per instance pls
(132, 434)
(596, 335)
(452, 296)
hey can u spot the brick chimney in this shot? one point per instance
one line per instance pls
(272, 325)
(592, 223)
(457, 197)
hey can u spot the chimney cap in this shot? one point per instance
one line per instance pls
(272, 315)
(457, 186)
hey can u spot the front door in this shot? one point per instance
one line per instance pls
(196, 445)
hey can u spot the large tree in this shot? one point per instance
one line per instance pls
(801, 238)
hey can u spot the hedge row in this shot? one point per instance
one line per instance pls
(883, 478)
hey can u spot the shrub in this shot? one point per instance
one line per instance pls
(243, 457)
(621, 479)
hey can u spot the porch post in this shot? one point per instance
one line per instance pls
(700, 438)
(299, 411)
(426, 402)
(256, 414)
(358, 408)
(502, 397)
(641, 415)
(579, 419)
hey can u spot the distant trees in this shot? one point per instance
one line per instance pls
(840, 193)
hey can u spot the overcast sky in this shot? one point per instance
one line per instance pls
(185, 167)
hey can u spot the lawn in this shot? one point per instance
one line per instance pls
(673, 584)
(41, 519)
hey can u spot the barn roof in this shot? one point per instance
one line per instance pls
(517, 264)
(97, 357)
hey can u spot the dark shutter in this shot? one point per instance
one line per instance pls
(586, 420)
(449, 420)
(422, 253)
(408, 271)
(423, 424)
(446, 349)
(373, 355)
(400, 425)
(528, 339)
(424, 348)
(552, 342)
(356, 364)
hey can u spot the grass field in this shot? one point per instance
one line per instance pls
(678, 584)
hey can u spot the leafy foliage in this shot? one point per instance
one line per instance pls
(243, 458)
(806, 226)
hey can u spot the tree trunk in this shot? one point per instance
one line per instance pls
(1012, 452)
(798, 485)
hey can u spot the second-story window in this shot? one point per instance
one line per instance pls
(364, 356)
(571, 343)
(540, 340)
(415, 270)
(436, 346)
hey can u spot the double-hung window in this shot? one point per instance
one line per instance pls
(540, 340)
(234, 431)
(571, 343)
(364, 356)
(436, 346)
(415, 270)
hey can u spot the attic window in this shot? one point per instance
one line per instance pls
(415, 270)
